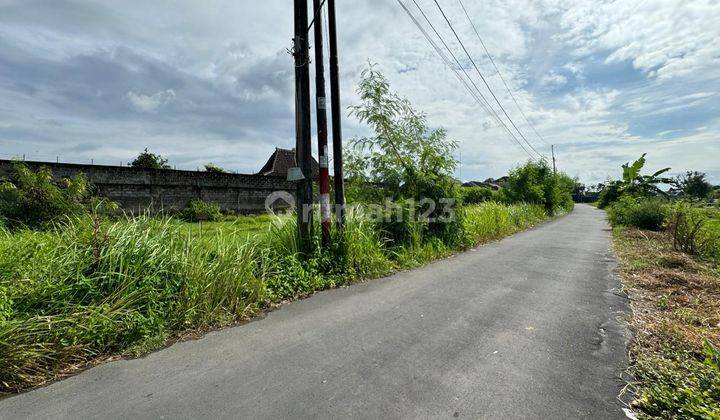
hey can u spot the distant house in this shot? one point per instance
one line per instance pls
(281, 161)
(493, 184)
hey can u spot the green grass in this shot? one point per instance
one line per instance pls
(92, 288)
(246, 226)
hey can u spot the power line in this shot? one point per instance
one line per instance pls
(483, 77)
(481, 99)
(500, 73)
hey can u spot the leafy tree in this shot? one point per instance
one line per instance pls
(579, 188)
(403, 150)
(407, 160)
(694, 184)
(150, 160)
(211, 167)
(34, 199)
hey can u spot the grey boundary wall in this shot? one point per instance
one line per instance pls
(140, 189)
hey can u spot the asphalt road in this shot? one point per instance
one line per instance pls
(522, 328)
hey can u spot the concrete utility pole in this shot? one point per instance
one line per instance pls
(339, 183)
(303, 147)
(324, 178)
(552, 150)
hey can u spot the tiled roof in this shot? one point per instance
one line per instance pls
(281, 161)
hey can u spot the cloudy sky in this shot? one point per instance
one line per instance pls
(211, 81)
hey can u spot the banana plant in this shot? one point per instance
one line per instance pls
(635, 183)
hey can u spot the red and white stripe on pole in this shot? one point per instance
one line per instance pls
(325, 213)
(324, 173)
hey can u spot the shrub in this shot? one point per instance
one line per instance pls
(211, 167)
(535, 183)
(695, 230)
(150, 160)
(693, 184)
(33, 199)
(475, 195)
(400, 225)
(609, 194)
(643, 213)
(200, 211)
(442, 207)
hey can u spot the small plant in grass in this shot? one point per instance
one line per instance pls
(679, 385)
(201, 211)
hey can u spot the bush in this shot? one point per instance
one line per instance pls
(211, 167)
(443, 208)
(201, 211)
(35, 200)
(475, 195)
(535, 183)
(693, 184)
(643, 213)
(400, 225)
(609, 194)
(695, 230)
(149, 160)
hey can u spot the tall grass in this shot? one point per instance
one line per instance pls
(489, 221)
(90, 288)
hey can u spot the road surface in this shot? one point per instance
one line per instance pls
(526, 327)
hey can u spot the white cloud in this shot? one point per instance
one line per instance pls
(151, 103)
(553, 79)
(662, 38)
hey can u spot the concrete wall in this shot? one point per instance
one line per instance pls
(137, 189)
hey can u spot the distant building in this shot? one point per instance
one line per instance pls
(281, 161)
(493, 184)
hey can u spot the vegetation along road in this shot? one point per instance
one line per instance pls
(526, 326)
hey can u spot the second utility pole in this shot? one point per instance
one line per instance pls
(303, 147)
(552, 150)
(336, 116)
(324, 173)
